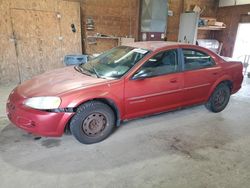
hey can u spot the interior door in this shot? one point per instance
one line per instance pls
(200, 73)
(43, 38)
(155, 87)
(37, 41)
(70, 24)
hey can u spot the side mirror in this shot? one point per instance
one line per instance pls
(142, 74)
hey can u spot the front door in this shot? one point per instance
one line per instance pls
(155, 87)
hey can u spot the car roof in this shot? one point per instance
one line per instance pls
(153, 45)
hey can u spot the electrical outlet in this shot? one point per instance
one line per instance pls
(170, 13)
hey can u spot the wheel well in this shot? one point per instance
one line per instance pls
(228, 83)
(108, 102)
(113, 106)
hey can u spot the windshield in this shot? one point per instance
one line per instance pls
(114, 63)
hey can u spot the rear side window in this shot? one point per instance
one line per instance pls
(194, 59)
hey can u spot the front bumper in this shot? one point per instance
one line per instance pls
(38, 122)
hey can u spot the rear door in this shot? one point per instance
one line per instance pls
(199, 73)
(159, 89)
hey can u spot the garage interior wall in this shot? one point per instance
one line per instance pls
(35, 36)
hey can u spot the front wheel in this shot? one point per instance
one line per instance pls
(93, 122)
(219, 98)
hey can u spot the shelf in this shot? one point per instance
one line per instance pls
(211, 28)
(91, 43)
(99, 37)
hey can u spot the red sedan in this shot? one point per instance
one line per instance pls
(123, 83)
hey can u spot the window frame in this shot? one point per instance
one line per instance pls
(197, 50)
(179, 61)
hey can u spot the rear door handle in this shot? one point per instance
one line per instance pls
(173, 80)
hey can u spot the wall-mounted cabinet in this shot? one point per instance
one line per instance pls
(242, 2)
(189, 29)
(225, 3)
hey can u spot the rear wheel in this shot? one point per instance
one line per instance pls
(93, 122)
(219, 98)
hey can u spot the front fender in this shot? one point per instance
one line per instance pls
(115, 101)
(81, 98)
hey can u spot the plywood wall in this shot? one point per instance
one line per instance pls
(35, 36)
(8, 62)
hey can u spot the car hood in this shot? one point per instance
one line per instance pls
(56, 82)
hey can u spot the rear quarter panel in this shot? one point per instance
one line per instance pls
(231, 71)
(234, 70)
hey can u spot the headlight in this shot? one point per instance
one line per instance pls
(43, 103)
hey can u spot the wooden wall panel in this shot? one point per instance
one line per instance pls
(5, 26)
(102, 45)
(8, 61)
(209, 6)
(111, 17)
(231, 16)
(177, 7)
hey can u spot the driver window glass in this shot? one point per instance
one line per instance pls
(163, 63)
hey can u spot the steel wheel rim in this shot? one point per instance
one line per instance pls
(94, 124)
(220, 98)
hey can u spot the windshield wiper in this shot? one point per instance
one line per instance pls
(96, 73)
(81, 70)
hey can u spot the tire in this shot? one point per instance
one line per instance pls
(93, 122)
(219, 98)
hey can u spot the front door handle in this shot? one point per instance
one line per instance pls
(215, 73)
(173, 80)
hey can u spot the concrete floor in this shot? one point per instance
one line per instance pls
(187, 148)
